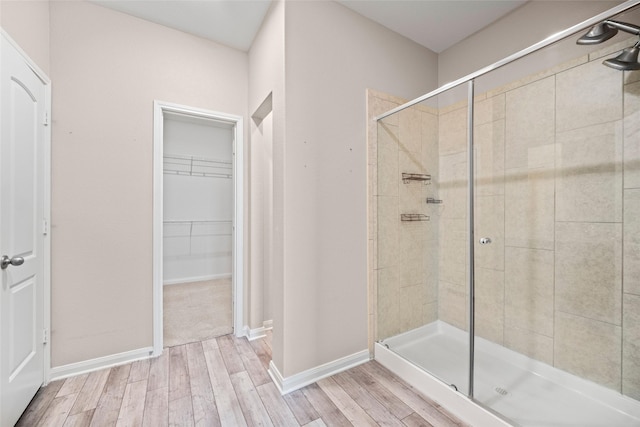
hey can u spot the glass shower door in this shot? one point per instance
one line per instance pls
(421, 250)
(554, 324)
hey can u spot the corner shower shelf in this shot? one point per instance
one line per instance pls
(197, 166)
(415, 177)
(414, 217)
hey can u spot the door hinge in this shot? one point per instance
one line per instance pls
(46, 118)
(45, 227)
(45, 336)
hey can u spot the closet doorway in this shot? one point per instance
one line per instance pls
(197, 213)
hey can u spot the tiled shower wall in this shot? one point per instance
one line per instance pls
(407, 281)
(557, 191)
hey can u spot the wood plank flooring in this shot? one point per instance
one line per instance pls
(224, 382)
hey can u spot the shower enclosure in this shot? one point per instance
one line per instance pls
(518, 289)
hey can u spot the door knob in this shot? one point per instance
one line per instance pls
(485, 241)
(5, 261)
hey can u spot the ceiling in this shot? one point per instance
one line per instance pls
(434, 24)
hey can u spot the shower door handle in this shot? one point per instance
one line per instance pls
(485, 241)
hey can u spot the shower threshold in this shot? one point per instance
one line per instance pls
(526, 392)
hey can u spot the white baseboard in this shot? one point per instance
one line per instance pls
(310, 376)
(196, 279)
(257, 333)
(60, 372)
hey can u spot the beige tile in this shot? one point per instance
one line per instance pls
(577, 89)
(372, 206)
(372, 264)
(631, 262)
(489, 304)
(388, 319)
(388, 231)
(632, 135)
(380, 106)
(411, 304)
(530, 120)
(588, 348)
(372, 186)
(453, 251)
(452, 186)
(411, 162)
(410, 123)
(411, 193)
(454, 99)
(589, 174)
(372, 333)
(612, 48)
(489, 222)
(631, 346)
(529, 290)
(430, 150)
(529, 208)
(489, 110)
(452, 131)
(631, 76)
(429, 313)
(430, 227)
(388, 136)
(588, 274)
(388, 171)
(412, 253)
(452, 305)
(574, 62)
(536, 346)
(431, 271)
(489, 168)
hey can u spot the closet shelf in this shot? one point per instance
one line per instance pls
(190, 229)
(223, 229)
(414, 217)
(415, 177)
(197, 166)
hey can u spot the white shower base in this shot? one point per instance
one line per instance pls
(527, 392)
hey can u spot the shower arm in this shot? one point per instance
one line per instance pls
(624, 26)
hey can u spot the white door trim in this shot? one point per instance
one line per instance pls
(47, 204)
(159, 108)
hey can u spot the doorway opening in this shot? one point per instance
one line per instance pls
(197, 225)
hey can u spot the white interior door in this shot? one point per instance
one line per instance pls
(22, 130)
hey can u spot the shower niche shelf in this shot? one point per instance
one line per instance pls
(197, 166)
(413, 217)
(416, 177)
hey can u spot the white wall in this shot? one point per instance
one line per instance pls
(27, 22)
(525, 26)
(266, 79)
(261, 220)
(107, 70)
(195, 251)
(332, 56)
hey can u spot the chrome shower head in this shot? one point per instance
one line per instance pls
(598, 34)
(627, 60)
(605, 30)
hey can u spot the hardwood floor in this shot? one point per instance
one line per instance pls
(224, 382)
